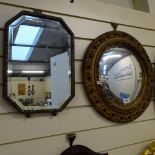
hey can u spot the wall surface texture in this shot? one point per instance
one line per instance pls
(151, 6)
(124, 3)
(43, 134)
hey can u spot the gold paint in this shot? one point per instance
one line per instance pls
(150, 150)
(116, 112)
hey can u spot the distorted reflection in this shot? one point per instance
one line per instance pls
(120, 75)
(39, 63)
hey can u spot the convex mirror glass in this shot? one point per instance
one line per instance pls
(39, 67)
(120, 75)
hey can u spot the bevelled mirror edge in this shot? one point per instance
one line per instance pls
(5, 62)
(90, 68)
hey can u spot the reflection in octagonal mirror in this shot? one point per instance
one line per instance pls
(39, 67)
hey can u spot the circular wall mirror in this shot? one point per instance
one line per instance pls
(39, 63)
(117, 76)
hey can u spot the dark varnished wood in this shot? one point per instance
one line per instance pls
(80, 150)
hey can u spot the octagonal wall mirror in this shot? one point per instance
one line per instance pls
(118, 76)
(39, 63)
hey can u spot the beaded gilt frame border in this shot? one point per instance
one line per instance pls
(90, 71)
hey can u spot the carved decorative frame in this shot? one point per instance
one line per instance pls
(116, 111)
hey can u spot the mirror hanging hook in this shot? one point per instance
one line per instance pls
(114, 26)
(54, 113)
(71, 137)
(71, 1)
(28, 115)
(37, 11)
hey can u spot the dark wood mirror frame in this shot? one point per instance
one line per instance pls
(116, 112)
(37, 13)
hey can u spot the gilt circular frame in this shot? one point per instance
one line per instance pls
(116, 112)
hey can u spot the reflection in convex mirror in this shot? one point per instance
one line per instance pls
(120, 75)
(39, 67)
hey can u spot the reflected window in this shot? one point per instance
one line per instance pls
(20, 48)
(20, 53)
(104, 69)
(31, 35)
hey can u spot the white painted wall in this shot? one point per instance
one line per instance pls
(142, 5)
(122, 3)
(44, 134)
(151, 6)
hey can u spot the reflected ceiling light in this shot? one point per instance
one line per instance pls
(69, 72)
(37, 72)
(9, 71)
(111, 56)
(35, 19)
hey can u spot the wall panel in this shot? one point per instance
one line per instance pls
(70, 120)
(78, 71)
(134, 149)
(46, 134)
(88, 28)
(81, 47)
(94, 29)
(80, 98)
(145, 37)
(5, 15)
(55, 144)
(151, 53)
(92, 9)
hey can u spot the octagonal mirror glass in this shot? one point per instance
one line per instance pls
(39, 68)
